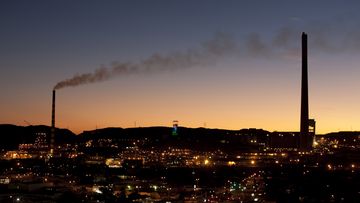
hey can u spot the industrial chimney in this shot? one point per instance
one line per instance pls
(305, 137)
(52, 135)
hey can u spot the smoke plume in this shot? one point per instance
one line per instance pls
(286, 42)
(208, 52)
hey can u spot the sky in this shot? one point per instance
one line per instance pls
(215, 64)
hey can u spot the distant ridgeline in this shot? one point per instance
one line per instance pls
(202, 139)
(12, 135)
(163, 137)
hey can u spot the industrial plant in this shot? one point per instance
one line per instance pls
(180, 164)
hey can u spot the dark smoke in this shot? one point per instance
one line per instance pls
(321, 38)
(209, 51)
(256, 47)
(285, 42)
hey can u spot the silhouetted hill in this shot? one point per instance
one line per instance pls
(12, 135)
(192, 138)
(149, 137)
(343, 134)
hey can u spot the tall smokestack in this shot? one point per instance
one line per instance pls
(305, 143)
(52, 125)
